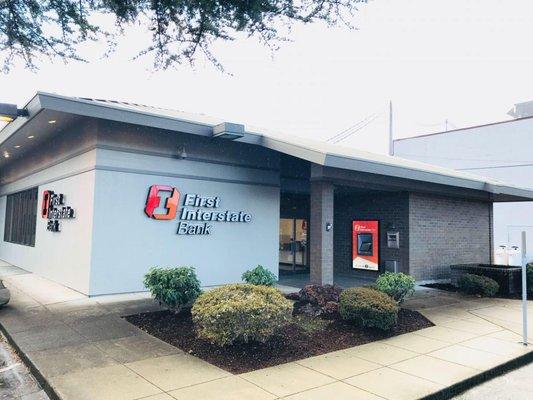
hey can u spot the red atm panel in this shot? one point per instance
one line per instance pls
(365, 236)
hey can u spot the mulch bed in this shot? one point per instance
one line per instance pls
(448, 287)
(290, 344)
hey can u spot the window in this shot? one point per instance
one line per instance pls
(21, 217)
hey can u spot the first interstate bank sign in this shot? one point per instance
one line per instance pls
(197, 212)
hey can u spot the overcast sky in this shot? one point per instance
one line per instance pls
(467, 61)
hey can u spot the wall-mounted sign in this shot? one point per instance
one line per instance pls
(53, 209)
(197, 212)
(365, 237)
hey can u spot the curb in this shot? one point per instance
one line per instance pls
(31, 366)
(463, 386)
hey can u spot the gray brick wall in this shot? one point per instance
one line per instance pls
(321, 241)
(446, 231)
(383, 206)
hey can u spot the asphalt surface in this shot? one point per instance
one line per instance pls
(515, 385)
(16, 381)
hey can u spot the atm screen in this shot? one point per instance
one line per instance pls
(364, 244)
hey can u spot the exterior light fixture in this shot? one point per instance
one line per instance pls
(6, 154)
(17, 146)
(52, 121)
(182, 154)
(228, 130)
(31, 137)
(10, 112)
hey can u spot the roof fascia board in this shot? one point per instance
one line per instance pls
(384, 181)
(518, 193)
(109, 112)
(387, 183)
(294, 150)
(352, 164)
(401, 172)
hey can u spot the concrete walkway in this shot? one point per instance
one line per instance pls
(84, 350)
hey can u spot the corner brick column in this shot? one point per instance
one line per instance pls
(321, 240)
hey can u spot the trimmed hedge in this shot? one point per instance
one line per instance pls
(240, 313)
(368, 308)
(478, 285)
(396, 284)
(259, 276)
(173, 287)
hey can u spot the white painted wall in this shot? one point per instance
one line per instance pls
(501, 151)
(105, 170)
(126, 243)
(65, 256)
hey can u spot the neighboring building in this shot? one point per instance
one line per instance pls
(93, 193)
(501, 150)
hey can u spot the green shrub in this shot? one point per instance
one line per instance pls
(368, 308)
(173, 287)
(240, 313)
(259, 276)
(396, 285)
(477, 284)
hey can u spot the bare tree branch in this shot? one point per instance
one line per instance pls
(181, 29)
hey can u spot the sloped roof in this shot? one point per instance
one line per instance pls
(324, 154)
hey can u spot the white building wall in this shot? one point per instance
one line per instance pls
(501, 151)
(126, 243)
(65, 256)
(104, 170)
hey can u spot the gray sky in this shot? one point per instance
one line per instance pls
(467, 61)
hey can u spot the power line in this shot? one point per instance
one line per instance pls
(348, 130)
(355, 128)
(353, 132)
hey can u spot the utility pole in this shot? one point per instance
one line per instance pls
(391, 136)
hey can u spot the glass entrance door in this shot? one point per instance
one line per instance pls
(293, 244)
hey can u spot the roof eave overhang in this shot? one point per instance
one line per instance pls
(88, 108)
(33, 107)
(498, 193)
(92, 109)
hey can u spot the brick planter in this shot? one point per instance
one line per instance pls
(509, 278)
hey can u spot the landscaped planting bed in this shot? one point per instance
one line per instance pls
(304, 337)
(244, 327)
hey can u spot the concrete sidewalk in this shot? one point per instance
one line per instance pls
(84, 350)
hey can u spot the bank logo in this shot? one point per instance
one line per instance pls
(197, 212)
(153, 202)
(54, 209)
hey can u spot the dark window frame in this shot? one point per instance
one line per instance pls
(21, 217)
